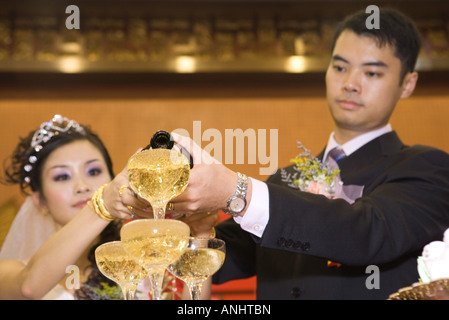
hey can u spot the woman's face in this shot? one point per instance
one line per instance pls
(70, 176)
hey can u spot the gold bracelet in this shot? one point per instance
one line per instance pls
(98, 210)
(211, 236)
(105, 213)
(213, 233)
(98, 205)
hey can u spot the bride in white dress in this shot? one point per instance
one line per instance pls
(60, 166)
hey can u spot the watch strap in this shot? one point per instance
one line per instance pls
(240, 192)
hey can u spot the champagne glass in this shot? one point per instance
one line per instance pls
(201, 260)
(158, 175)
(155, 243)
(118, 265)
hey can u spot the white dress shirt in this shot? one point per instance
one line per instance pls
(257, 215)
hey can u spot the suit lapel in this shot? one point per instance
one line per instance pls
(358, 164)
(384, 145)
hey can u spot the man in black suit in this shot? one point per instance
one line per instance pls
(287, 237)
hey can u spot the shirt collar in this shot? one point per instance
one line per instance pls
(356, 143)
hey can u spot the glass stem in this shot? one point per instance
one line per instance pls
(159, 207)
(159, 213)
(195, 291)
(128, 293)
(156, 278)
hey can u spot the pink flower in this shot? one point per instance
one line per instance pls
(318, 187)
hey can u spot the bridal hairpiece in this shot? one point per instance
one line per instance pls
(48, 130)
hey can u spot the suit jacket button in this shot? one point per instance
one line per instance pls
(306, 246)
(297, 245)
(281, 242)
(296, 292)
(289, 243)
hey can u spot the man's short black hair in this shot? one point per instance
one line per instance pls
(395, 29)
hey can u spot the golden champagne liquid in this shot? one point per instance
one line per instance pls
(158, 174)
(196, 265)
(116, 264)
(155, 243)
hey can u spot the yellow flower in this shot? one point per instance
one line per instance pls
(311, 171)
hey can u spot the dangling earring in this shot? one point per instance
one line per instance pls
(38, 203)
(44, 211)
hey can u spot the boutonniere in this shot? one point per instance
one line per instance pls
(314, 176)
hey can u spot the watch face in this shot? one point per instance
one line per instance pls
(237, 204)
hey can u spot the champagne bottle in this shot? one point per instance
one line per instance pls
(164, 140)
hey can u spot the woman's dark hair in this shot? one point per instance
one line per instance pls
(15, 173)
(395, 29)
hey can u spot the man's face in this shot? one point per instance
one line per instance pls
(363, 85)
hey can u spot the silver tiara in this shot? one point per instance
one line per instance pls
(47, 131)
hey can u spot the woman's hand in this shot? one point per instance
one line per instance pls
(122, 202)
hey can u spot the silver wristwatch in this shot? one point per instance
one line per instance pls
(237, 202)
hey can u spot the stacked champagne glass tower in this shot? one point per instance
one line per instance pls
(148, 247)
